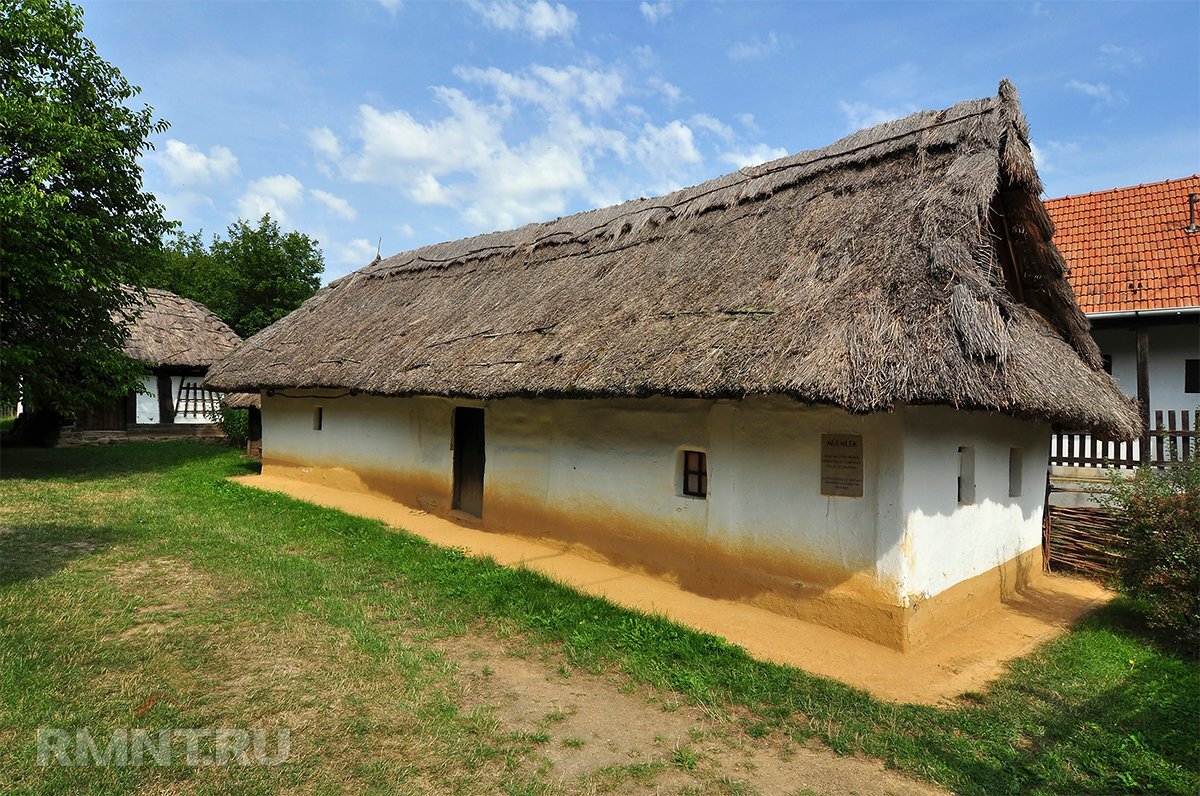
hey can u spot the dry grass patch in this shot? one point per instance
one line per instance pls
(603, 733)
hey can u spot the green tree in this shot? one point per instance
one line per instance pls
(250, 279)
(75, 223)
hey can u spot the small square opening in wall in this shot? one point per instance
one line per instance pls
(1016, 459)
(1191, 375)
(318, 418)
(695, 474)
(966, 475)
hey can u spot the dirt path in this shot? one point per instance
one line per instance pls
(962, 661)
(597, 734)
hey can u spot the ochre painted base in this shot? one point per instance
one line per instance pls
(782, 581)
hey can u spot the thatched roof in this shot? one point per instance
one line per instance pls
(171, 330)
(242, 400)
(873, 272)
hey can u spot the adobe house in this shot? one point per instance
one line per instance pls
(823, 385)
(177, 339)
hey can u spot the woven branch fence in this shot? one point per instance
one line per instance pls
(1082, 539)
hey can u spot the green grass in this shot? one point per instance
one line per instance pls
(137, 570)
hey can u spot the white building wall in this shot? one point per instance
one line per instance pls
(378, 438)
(617, 461)
(595, 457)
(944, 542)
(1170, 345)
(147, 401)
(202, 411)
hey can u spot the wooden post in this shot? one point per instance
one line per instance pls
(1047, 528)
(1143, 388)
(166, 402)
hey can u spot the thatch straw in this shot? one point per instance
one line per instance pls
(242, 400)
(175, 331)
(866, 274)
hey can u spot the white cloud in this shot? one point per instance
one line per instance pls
(355, 253)
(759, 153)
(717, 127)
(653, 12)
(1051, 157)
(860, 115)
(392, 6)
(754, 49)
(747, 121)
(271, 195)
(505, 148)
(334, 204)
(184, 164)
(666, 153)
(427, 190)
(550, 88)
(406, 230)
(1119, 58)
(671, 92)
(1101, 92)
(324, 142)
(538, 19)
(644, 56)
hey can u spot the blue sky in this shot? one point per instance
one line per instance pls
(417, 122)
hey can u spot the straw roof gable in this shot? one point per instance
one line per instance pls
(907, 263)
(171, 330)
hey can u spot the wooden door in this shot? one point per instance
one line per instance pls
(468, 460)
(107, 417)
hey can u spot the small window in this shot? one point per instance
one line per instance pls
(695, 474)
(1191, 375)
(1015, 460)
(318, 418)
(966, 475)
(1107, 360)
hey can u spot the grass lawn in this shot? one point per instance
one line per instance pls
(139, 588)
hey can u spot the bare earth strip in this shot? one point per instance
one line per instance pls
(595, 726)
(960, 662)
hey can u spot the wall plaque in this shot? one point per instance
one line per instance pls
(842, 465)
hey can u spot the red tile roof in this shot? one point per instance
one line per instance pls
(1128, 248)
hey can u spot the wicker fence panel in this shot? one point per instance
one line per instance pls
(1083, 539)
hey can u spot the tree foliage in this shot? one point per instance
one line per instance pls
(1159, 514)
(75, 223)
(250, 279)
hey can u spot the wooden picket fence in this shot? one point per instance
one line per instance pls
(1173, 440)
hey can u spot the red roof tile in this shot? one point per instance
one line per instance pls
(1128, 248)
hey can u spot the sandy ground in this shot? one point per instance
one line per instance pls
(964, 660)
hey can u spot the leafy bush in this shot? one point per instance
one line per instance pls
(235, 423)
(1159, 513)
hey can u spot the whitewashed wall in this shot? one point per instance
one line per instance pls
(1170, 345)
(945, 542)
(147, 401)
(619, 460)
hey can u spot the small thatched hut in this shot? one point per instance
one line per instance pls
(824, 385)
(177, 339)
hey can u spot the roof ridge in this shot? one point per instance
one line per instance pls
(681, 198)
(1122, 188)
